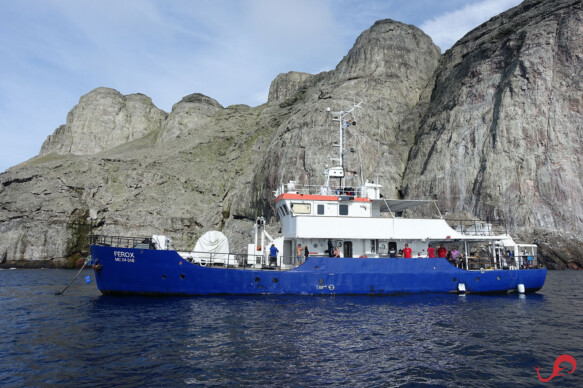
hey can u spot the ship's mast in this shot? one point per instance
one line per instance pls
(338, 171)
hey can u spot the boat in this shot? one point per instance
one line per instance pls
(335, 239)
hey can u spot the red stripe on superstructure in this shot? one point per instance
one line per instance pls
(316, 197)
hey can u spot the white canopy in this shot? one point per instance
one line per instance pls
(212, 247)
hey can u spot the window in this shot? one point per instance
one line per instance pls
(320, 209)
(301, 208)
(343, 210)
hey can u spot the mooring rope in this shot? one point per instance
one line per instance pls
(87, 260)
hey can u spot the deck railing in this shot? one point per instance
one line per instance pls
(239, 260)
(318, 189)
(247, 261)
(122, 242)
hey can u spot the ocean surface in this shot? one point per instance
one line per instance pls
(82, 338)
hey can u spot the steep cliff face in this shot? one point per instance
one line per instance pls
(502, 135)
(492, 128)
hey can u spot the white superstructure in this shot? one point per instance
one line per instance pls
(361, 223)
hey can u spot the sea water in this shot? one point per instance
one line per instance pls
(82, 338)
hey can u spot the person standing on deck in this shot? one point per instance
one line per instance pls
(441, 251)
(330, 248)
(430, 252)
(299, 252)
(455, 254)
(407, 252)
(273, 251)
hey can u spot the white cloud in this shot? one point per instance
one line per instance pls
(448, 28)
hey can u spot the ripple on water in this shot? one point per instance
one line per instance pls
(86, 339)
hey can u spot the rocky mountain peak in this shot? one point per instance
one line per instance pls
(103, 119)
(389, 49)
(188, 117)
(200, 99)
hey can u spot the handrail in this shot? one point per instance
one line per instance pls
(316, 189)
(122, 241)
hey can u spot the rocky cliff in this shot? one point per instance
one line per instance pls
(491, 129)
(501, 137)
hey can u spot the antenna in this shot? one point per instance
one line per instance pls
(338, 171)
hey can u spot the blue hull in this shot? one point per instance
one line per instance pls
(158, 272)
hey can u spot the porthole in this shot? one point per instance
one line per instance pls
(164, 277)
(498, 277)
(275, 280)
(256, 280)
(316, 267)
(477, 278)
(182, 276)
(454, 280)
(321, 281)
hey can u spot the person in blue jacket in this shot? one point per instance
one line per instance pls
(273, 251)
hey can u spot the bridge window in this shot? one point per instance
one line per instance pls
(343, 210)
(283, 210)
(301, 208)
(320, 209)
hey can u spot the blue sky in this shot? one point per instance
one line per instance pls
(54, 51)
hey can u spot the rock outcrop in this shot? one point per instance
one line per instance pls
(288, 85)
(104, 119)
(191, 117)
(491, 129)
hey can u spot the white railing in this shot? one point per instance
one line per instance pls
(296, 188)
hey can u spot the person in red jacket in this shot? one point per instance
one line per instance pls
(407, 252)
(441, 251)
(430, 251)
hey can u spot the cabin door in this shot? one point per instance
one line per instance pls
(288, 253)
(347, 248)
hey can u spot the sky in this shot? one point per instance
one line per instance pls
(52, 52)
